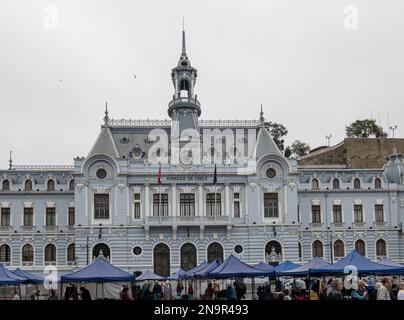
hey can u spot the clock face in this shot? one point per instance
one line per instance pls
(186, 157)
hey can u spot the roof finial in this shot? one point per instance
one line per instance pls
(10, 167)
(184, 53)
(106, 118)
(262, 116)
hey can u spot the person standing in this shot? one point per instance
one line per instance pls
(360, 293)
(384, 291)
(168, 291)
(85, 294)
(157, 291)
(15, 296)
(336, 292)
(190, 291)
(400, 294)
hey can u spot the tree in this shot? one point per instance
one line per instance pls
(364, 129)
(288, 152)
(299, 148)
(277, 131)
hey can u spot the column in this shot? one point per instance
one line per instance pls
(200, 200)
(227, 200)
(146, 200)
(174, 200)
(246, 202)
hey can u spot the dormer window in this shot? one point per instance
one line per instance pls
(28, 185)
(378, 183)
(314, 184)
(51, 185)
(335, 184)
(357, 184)
(6, 185)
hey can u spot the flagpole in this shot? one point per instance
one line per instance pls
(159, 183)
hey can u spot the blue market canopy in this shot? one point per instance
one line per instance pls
(234, 268)
(390, 263)
(303, 270)
(100, 270)
(202, 272)
(362, 264)
(176, 275)
(149, 275)
(263, 266)
(9, 278)
(190, 273)
(285, 266)
(29, 278)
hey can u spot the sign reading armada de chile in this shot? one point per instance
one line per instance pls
(188, 178)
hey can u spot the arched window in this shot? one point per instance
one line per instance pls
(102, 250)
(5, 255)
(188, 256)
(360, 247)
(381, 249)
(357, 184)
(28, 185)
(184, 85)
(71, 253)
(273, 253)
(215, 251)
(6, 185)
(318, 249)
(339, 249)
(71, 185)
(335, 184)
(161, 257)
(51, 185)
(314, 184)
(378, 183)
(27, 254)
(50, 253)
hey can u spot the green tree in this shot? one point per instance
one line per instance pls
(299, 148)
(278, 132)
(364, 129)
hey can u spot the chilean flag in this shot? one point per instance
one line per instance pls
(159, 176)
(215, 176)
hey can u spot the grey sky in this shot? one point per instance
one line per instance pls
(294, 57)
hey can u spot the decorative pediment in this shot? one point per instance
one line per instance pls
(378, 201)
(50, 204)
(160, 189)
(136, 189)
(358, 202)
(28, 204)
(187, 189)
(236, 189)
(5, 204)
(336, 202)
(315, 202)
(213, 189)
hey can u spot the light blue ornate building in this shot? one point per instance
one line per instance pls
(264, 206)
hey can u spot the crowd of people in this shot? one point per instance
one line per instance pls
(385, 288)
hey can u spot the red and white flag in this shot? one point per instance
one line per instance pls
(159, 175)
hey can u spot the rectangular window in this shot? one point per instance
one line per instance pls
(358, 213)
(50, 217)
(28, 217)
(187, 204)
(213, 204)
(236, 205)
(315, 214)
(5, 217)
(337, 213)
(101, 206)
(71, 216)
(160, 204)
(271, 205)
(136, 206)
(379, 214)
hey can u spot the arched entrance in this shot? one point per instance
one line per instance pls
(273, 253)
(161, 255)
(101, 249)
(188, 256)
(215, 251)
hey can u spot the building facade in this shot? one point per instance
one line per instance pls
(169, 194)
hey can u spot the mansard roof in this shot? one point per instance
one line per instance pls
(354, 153)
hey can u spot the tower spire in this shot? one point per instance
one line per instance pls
(184, 52)
(10, 161)
(262, 116)
(106, 118)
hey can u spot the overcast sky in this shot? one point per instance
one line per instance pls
(296, 57)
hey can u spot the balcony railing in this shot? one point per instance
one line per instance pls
(188, 220)
(183, 100)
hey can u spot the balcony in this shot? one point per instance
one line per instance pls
(188, 220)
(5, 229)
(316, 225)
(27, 229)
(359, 225)
(337, 225)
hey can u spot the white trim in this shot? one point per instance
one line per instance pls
(100, 242)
